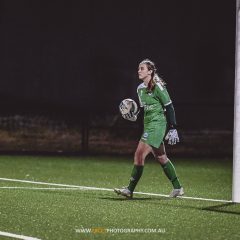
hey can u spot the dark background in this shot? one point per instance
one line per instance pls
(72, 58)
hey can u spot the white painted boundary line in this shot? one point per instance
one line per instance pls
(41, 188)
(76, 187)
(185, 197)
(56, 184)
(12, 235)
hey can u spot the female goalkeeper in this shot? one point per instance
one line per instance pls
(158, 116)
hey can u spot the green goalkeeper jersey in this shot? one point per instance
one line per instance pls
(154, 103)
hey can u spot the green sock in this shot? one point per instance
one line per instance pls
(135, 176)
(170, 172)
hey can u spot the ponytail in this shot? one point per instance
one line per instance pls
(158, 79)
(153, 81)
(151, 85)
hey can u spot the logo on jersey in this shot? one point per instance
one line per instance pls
(148, 107)
(145, 135)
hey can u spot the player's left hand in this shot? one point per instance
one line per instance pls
(172, 136)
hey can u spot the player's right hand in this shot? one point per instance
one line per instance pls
(130, 116)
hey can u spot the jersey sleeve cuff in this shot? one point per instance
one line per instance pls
(166, 104)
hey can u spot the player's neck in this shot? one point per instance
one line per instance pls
(146, 80)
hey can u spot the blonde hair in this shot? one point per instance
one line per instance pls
(158, 79)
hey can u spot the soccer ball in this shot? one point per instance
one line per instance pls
(127, 106)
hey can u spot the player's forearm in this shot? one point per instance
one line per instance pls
(170, 115)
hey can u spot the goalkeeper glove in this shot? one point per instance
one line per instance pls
(172, 136)
(130, 116)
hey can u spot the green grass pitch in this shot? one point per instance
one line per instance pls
(64, 213)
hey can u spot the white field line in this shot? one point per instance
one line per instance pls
(12, 235)
(56, 184)
(77, 187)
(42, 188)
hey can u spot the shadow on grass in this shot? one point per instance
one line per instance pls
(151, 199)
(125, 199)
(227, 208)
(224, 208)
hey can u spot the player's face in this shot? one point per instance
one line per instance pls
(143, 72)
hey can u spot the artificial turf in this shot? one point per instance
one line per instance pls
(62, 214)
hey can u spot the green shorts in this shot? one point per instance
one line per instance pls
(153, 134)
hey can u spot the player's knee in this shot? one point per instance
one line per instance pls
(139, 157)
(162, 159)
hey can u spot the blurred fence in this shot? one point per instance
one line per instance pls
(100, 135)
